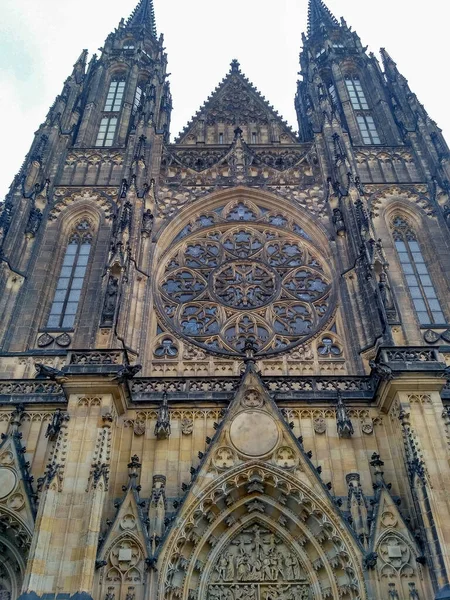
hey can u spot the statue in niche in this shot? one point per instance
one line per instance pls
(147, 223)
(109, 307)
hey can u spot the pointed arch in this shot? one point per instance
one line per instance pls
(415, 270)
(72, 275)
(327, 549)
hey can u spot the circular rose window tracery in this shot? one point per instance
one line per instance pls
(226, 284)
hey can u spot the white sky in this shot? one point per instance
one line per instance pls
(41, 39)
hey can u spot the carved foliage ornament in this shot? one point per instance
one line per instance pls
(224, 285)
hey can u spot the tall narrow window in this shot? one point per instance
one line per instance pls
(113, 104)
(115, 96)
(220, 138)
(356, 93)
(254, 137)
(333, 94)
(137, 98)
(106, 132)
(364, 118)
(368, 130)
(71, 278)
(414, 268)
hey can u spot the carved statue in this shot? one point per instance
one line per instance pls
(147, 223)
(343, 422)
(109, 307)
(338, 221)
(44, 372)
(162, 427)
(55, 426)
(34, 221)
(383, 371)
(127, 372)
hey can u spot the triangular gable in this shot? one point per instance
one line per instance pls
(388, 519)
(235, 103)
(254, 429)
(128, 525)
(256, 500)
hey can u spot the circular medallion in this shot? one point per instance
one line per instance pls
(244, 284)
(7, 482)
(254, 433)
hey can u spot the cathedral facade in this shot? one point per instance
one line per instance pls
(223, 358)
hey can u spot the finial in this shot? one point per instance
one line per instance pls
(250, 349)
(133, 467)
(235, 66)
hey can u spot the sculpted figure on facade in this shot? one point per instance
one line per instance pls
(257, 564)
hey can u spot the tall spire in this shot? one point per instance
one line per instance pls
(319, 16)
(143, 14)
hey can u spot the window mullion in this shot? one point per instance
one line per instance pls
(419, 280)
(69, 285)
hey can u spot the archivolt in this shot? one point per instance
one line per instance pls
(288, 507)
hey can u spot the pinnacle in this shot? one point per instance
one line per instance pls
(143, 14)
(235, 66)
(319, 16)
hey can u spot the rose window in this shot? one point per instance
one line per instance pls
(230, 283)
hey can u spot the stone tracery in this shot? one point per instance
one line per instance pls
(225, 283)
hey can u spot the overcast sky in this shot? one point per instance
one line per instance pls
(40, 41)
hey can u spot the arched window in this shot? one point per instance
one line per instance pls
(71, 278)
(113, 104)
(414, 268)
(364, 117)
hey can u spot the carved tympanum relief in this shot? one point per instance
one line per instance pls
(258, 565)
(240, 275)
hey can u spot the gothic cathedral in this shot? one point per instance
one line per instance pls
(224, 357)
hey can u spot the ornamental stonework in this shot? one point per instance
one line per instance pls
(244, 277)
(258, 565)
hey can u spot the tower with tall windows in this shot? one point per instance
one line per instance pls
(223, 357)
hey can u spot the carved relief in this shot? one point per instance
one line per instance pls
(187, 426)
(224, 458)
(125, 563)
(252, 399)
(258, 565)
(66, 196)
(285, 458)
(320, 425)
(139, 428)
(397, 557)
(367, 426)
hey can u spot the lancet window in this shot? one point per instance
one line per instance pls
(364, 117)
(71, 278)
(113, 104)
(137, 98)
(415, 270)
(356, 93)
